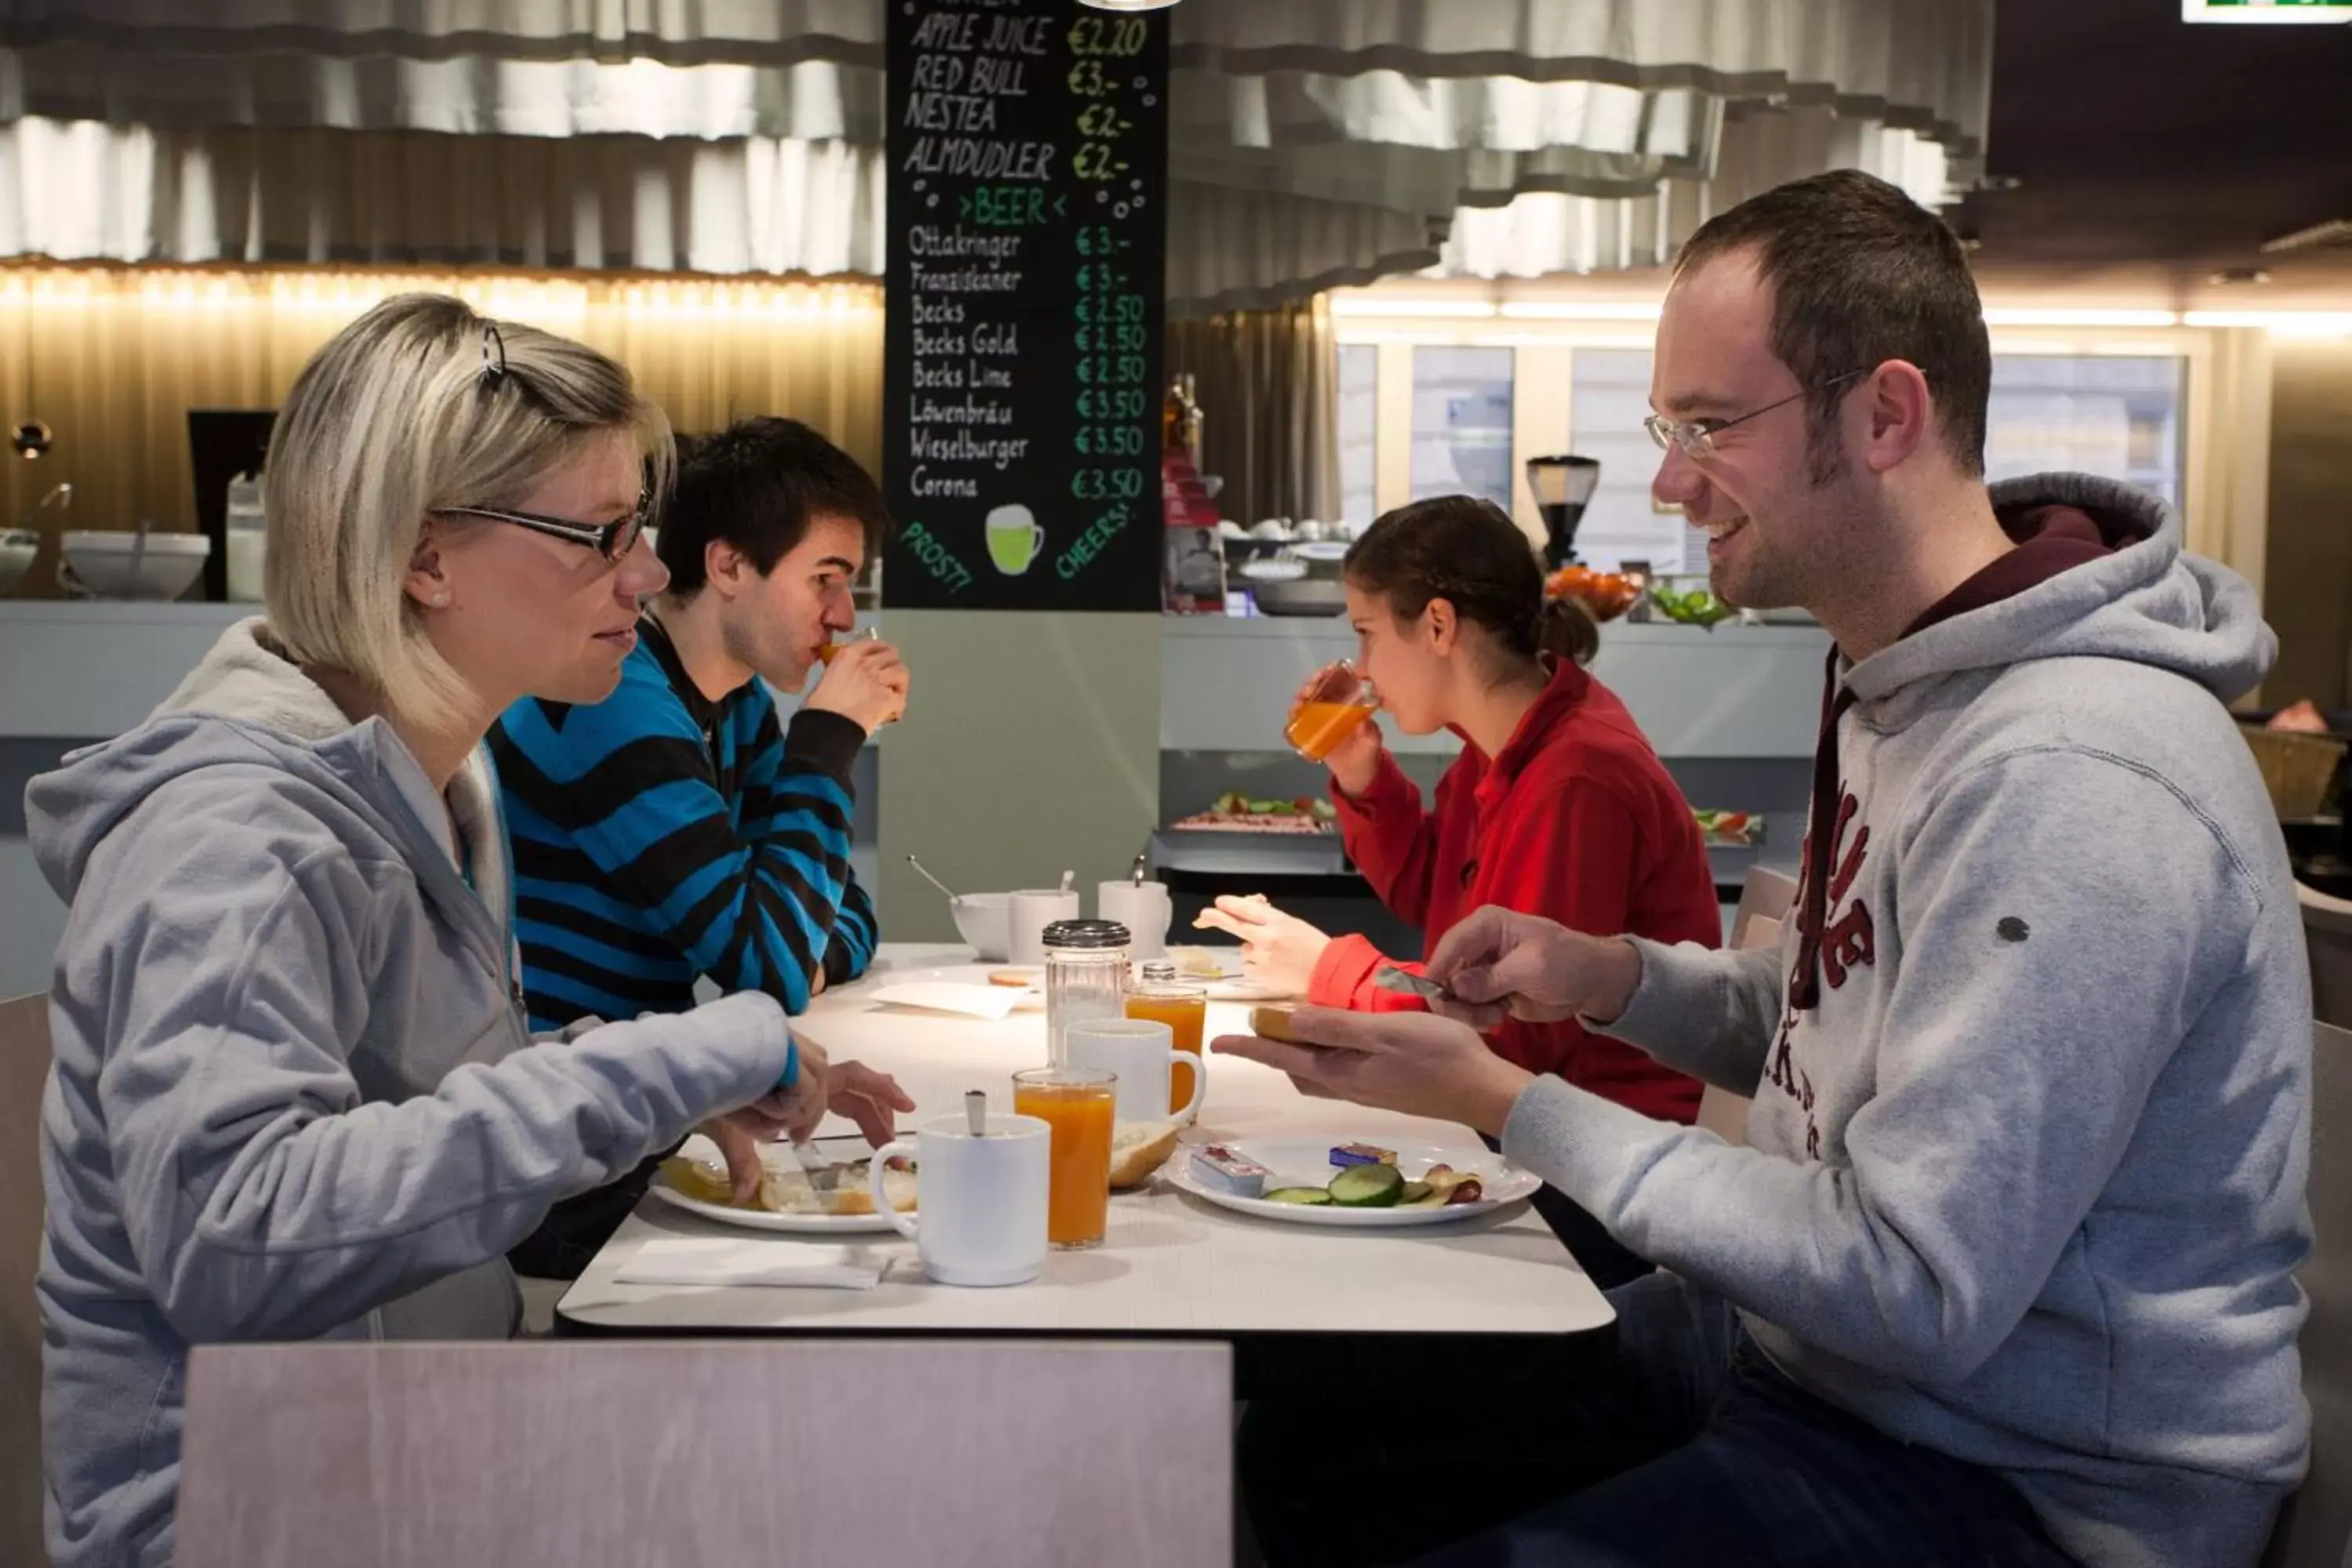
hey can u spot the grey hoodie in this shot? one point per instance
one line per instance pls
(293, 1095)
(2026, 1184)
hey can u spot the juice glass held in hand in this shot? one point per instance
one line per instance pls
(1337, 701)
(1080, 1105)
(834, 650)
(831, 652)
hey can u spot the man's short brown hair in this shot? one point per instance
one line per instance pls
(1861, 274)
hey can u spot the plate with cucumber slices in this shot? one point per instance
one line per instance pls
(1317, 1182)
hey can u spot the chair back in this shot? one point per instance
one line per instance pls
(722, 1454)
(1764, 903)
(24, 1080)
(2315, 1527)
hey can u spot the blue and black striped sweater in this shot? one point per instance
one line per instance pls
(659, 835)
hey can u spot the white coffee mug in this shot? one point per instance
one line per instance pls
(981, 1202)
(1140, 1051)
(1035, 908)
(1143, 908)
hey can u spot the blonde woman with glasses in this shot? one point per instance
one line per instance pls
(294, 1097)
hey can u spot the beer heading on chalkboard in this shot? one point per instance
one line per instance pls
(1028, 155)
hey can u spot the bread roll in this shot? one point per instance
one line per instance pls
(1138, 1149)
(787, 1190)
(1273, 1023)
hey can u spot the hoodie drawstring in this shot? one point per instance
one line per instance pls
(1813, 914)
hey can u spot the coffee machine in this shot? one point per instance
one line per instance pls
(1563, 488)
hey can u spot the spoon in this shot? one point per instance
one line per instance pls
(975, 1111)
(1069, 880)
(934, 881)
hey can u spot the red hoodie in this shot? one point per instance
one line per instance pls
(1576, 821)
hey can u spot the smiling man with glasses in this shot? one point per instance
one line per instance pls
(2005, 1272)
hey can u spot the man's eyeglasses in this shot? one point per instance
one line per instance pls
(612, 541)
(1695, 437)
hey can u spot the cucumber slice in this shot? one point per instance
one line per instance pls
(1368, 1187)
(1415, 1190)
(1310, 1196)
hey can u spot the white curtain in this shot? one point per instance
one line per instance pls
(83, 191)
(1919, 64)
(683, 32)
(1314, 142)
(1544, 233)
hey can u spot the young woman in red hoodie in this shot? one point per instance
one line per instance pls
(1557, 805)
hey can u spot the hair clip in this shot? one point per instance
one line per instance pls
(494, 368)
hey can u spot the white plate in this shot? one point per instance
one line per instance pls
(1241, 988)
(1233, 986)
(1307, 1162)
(1029, 1000)
(700, 1148)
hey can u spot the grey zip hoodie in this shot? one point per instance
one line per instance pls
(2025, 1180)
(293, 1095)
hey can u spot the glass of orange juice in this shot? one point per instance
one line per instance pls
(1339, 700)
(1080, 1105)
(1161, 997)
(834, 650)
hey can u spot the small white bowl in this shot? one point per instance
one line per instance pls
(108, 565)
(17, 548)
(985, 921)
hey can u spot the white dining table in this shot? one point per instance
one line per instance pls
(1170, 1264)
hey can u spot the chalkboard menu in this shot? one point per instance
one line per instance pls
(1028, 159)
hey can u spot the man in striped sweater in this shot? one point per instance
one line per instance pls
(676, 830)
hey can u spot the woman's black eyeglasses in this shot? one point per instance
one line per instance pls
(610, 540)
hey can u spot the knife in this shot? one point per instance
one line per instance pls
(1405, 982)
(820, 1171)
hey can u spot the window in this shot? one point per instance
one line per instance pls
(1609, 396)
(2115, 416)
(1360, 374)
(1462, 423)
(2123, 416)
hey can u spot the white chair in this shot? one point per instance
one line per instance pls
(2315, 1530)
(1764, 903)
(2328, 933)
(23, 1076)
(1766, 894)
(612, 1454)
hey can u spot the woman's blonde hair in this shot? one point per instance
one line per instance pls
(419, 404)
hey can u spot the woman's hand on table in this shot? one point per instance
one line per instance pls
(1416, 1063)
(791, 1112)
(1279, 950)
(869, 1098)
(1500, 964)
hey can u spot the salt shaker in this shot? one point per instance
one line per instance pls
(1085, 977)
